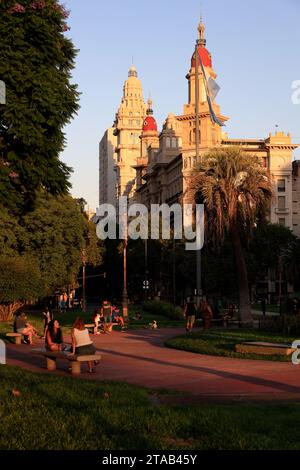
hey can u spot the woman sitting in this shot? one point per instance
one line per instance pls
(54, 338)
(81, 341)
(22, 326)
(228, 315)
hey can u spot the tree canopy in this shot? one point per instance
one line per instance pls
(36, 62)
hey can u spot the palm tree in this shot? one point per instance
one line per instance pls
(236, 192)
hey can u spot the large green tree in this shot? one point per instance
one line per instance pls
(20, 282)
(236, 191)
(36, 62)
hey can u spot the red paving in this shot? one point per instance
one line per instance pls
(139, 357)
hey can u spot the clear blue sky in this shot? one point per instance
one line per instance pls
(255, 50)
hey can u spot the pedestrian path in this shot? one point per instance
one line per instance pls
(139, 357)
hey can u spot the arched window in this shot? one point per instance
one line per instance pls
(168, 142)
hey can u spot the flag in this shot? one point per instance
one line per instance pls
(212, 89)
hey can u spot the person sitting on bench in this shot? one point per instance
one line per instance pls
(117, 317)
(54, 338)
(23, 327)
(228, 315)
(81, 341)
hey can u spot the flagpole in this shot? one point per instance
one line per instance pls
(197, 141)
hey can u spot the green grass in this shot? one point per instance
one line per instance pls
(63, 413)
(222, 343)
(269, 307)
(66, 320)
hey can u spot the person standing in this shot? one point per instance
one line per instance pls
(190, 311)
(47, 317)
(106, 311)
(263, 306)
(207, 314)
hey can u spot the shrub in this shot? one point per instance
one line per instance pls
(157, 307)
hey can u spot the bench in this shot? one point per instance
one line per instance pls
(52, 356)
(268, 349)
(92, 326)
(16, 337)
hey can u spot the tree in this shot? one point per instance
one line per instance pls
(272, 247)
(56, 232)
(20, 282)
(36, 61)
(236, 191)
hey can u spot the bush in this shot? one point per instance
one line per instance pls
(157, 307)
(20, 282)
(287, 324)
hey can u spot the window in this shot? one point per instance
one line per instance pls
(281, 202)
(281, 222)
(130, 122)
(168, 142)
(281, 186)
(174, 142)
(138, 122)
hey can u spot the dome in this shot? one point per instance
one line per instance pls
(132, 71)
(205, 57)
(149, 124)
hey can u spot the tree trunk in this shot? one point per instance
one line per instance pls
(242, 275)
(7, 311)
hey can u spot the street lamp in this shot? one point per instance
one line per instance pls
(83, 258)
(125, 295)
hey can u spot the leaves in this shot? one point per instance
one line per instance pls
(36, 61)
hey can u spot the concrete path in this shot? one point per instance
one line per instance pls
(139, 357)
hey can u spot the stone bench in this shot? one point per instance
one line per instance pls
(268, 349)
(16, 337)
(92, 325)
(52, 356)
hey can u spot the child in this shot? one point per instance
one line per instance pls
(96, 321)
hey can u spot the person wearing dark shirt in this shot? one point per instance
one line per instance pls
(54, 338)
(190, 311)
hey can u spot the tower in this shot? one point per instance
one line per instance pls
(128, 128)
(210, 133)
(148, 142)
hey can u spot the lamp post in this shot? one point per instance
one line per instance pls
(197, 142)
(83, 257)
(125, 295)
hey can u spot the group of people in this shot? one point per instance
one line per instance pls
(105, 317)
(81, 342)
(206, 312)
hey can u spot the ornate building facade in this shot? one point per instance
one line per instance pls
(165, 169)
(120, 145)
(151, 167)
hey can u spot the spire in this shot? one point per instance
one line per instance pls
(201, 41)
(132, 71)
(149, 111)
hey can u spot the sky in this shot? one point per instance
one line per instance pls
(255, 52)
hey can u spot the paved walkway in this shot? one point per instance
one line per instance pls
(139, 357)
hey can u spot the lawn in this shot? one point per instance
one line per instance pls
(66, 320)
(63, 413)
(222, 343)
